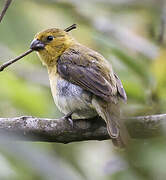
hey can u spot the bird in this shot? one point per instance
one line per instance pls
(82, 81)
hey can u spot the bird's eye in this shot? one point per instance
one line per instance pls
(50, 38)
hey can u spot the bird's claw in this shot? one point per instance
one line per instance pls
(68, 117)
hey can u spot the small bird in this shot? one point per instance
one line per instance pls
(82, 81)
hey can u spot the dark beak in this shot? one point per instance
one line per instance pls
(37, 45)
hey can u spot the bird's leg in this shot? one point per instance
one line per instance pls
(68, 117)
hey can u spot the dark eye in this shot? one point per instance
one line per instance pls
(50, 38)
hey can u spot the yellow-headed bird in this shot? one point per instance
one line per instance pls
(82, 81)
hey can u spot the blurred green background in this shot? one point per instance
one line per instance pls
(130, 34)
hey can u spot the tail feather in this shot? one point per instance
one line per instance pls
(115, 127)
(118, 142)
(112, 128)
(114, 124)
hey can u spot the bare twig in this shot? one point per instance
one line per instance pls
(60, 131)
(5, 65)
(7, 4)
(73, 26)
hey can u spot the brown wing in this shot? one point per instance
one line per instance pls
(120, 88)
(87, 78)
(79, 68)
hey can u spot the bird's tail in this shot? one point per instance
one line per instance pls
(115, 127)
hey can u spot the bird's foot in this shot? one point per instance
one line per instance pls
(68, 117)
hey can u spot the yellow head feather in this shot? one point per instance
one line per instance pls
(55, 42)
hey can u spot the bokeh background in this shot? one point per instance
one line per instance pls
(128, 33)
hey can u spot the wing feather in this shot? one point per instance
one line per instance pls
(86, 78)
(76, 67)
(120, 89)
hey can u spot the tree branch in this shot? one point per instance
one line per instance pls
(60, 131)
(7, 4)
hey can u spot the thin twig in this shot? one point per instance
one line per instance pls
(5, 65)
(73, 26)
(7, 4)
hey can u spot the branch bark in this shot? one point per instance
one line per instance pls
(60, 130)
(6, 6)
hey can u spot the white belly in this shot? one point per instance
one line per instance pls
(71, 98)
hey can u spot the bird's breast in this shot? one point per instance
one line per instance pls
(71, 98)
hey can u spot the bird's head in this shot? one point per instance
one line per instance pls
(51, 43)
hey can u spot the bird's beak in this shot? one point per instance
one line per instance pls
(37, 45)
